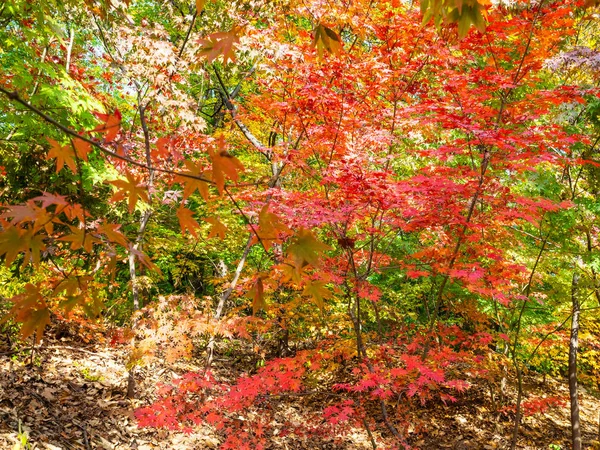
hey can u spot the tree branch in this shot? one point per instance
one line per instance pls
(14, 96)
(265, 151)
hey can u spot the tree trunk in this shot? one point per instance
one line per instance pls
(573, 344)
(135, 292)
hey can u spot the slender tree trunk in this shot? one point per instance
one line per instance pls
(135, 291)
(573, 344)
(518, 413)
(70, 48)
(210, 349)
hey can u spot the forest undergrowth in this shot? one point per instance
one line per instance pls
(71, 393)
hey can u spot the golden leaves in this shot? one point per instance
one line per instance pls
(325, 39)
(132, 189)
(456, 11)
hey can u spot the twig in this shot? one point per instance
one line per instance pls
(67, 347)
(189, 32)
(85, 435)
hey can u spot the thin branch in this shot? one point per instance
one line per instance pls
(267, 153)
(14, 96)
(189, 32)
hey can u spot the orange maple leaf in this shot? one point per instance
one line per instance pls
(144, 259)
(257, 294)
(187, 221)
(110, 128)
(82, 148)
(30, 212)
(30, 309)
(79, 238)
(224, 165)
(64, 154)
(217, 44)
(192, 184)
(112, 233)
(34, 245)
(11, 242)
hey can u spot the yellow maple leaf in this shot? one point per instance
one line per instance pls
(132, 189)
(325, 38)
(217, 229)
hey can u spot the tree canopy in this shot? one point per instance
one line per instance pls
(388, 201)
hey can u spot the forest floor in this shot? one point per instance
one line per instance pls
(73, 397)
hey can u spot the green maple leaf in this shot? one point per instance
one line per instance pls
(11, 243)
(318, 292)
(305, 248)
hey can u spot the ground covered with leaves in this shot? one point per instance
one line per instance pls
(71, 394)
